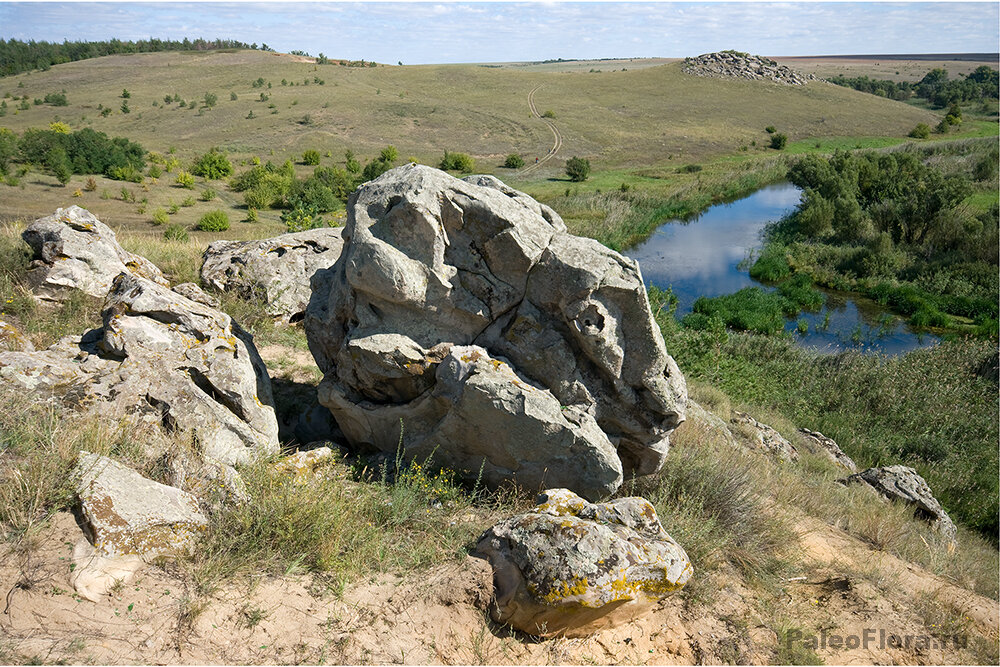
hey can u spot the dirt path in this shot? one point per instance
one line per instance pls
(557, 137)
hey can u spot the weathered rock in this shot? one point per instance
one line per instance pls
(316, 423)
(570, 567)
(97, 573)
(906, 485)
(125, 513)
(303, 465)
(572, 374)
(765, 439)
(709, 422)
(164, 358)
(74, 250)
(821, 444)
(12, 340)
(274, 271)
(736, 65)
(196, 294)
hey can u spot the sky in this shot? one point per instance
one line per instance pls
(452, 32)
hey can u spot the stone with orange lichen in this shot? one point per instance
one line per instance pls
(570, 567)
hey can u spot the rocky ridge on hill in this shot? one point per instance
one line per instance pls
(738, 65)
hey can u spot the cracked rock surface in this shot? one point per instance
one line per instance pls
(165, 358)
(503, 343)
(571, 567)
(275, 271)
(74, 250)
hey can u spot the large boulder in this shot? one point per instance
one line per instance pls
(276, 271)
(161, 357)
(570, 567)
(74, 250)
(904, 484)
(502, 343)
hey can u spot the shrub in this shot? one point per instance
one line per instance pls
(160, 216)
(457, 162)
(175, 233)
(214, 221)
(770, 129)
(251, 215)
(211, 99)
(921, 131)
(577, 168)
(689, 169)
(301, 217)
(184, 180)
(778, 141)
(549, 113)
(188, 201)
(154, 171)
(90, 185)
(126, 173)
(513, 161)
(310, 157)
(213, 165)
(389, 154)
(208, 194)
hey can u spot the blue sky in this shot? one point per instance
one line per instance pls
(442, 32)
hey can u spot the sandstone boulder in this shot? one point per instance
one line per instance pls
(74, 250)
(737, 65)
(559, 370)
(904, 484)
(570, 567)
(163, 358)
(827, 447)
(274, 271)
(763, 438)
(125, 513)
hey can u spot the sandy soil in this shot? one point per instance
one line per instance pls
(439, 617)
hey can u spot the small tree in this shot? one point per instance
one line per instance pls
(389, 154)
(310, 157)
(126, 94)
(125, 108)
(211, 99)
(513, 161)
(457, 162)
(184, 180)
(577, 168)
(778, 141)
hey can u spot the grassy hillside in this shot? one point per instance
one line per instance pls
(617, 118)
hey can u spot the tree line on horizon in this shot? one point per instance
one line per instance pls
(17, 56)
(935, 86)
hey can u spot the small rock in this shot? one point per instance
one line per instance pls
(906, 485)
(12, 340)
(821, 444)
(765, 439)
(125, 513)
(570, 567)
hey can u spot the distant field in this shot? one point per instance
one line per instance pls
(638, 121)
(894, 68)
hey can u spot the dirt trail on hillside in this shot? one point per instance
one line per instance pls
(556, 135)
(438, 617)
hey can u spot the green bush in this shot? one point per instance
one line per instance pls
(689, 169)
(457, 162)
(184, 180)
(513, 161)
(301, 217)
(311, 157)
(213, 165)
(750, 309)
(921, 131)
(175, 233)
(160, 216)
(214, 221)
(577, 168)
(126, 173)
(778, 141)
(770, 129)
(208, 194)
(772, 265)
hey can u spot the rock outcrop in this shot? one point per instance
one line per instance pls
(904, 484)
(74, 250)
(276, 271)
(820, 444)
(465, 311)
(764, 438)
(161, 357)
(570, 567)
(737, 65)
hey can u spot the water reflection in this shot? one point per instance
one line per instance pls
(701, 258)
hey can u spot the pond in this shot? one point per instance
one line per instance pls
(705, 257)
